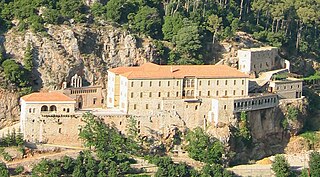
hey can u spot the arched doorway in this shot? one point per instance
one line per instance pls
(44, 108)
(53, 108)
(80, 102)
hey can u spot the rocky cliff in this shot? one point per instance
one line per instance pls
(86, 50)
(269, 136)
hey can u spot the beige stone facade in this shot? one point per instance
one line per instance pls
(287, 88)
(256, 60)
(87, 97)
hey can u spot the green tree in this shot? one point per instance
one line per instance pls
(115, 10)
(42, 169)
(188, 45)
(14, 73)
(171, 26)
(314, 164)
(204, 148)
(148, 21)
(281, 167)
(214, 23)
(4, 172)
(214, 170)
(28, 58)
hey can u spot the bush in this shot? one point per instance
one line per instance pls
(281, 167)
(19, 169)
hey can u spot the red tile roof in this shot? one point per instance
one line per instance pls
(47, 97)
(153, 71)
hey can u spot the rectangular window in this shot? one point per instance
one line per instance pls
(134, 106)
(132, 84)
(59, 130)
(217, 82)
(177, 83)
(159, 94)
(141, 84)
(242, 82)
(208, 82)
(150, 94)
(225, 93)
(217, 93)
(225, 107)
(235, 82)
(199, 93)
(168, 83)
(150, 83)
(131, 94)
(147, 106)
(94, 100)
(141, 94)
(234, 92)
(242, 92)
(168, 94)
(159, 83)
(226, 82)
(208, 93)
(158, 106)
(177, 94)
(199, 83)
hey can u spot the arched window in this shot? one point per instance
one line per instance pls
(44, 108)
(53, 108)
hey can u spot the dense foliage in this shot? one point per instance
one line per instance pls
(204, 148)
(281, 167)
(314, 164)
(293, 25)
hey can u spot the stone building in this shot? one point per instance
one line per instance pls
(256, 60)
(49, 118)
(185, 90)
(286, 88)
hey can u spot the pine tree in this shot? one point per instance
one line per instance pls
(28, 58)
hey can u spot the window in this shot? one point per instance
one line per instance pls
(150, 83)
(53, 108)
(168, 94)
(30, 110)
(208, 93)
(177, 83)
(235, 82)
(225, 107)
(217, 82)
(234, 92)
(285, 87)
(159, 83)
(217, 93)
(208, 82)
(158, 106)
(159, 94)
(225, 93)
(226, 82)
(141, 94)
(291, 86)
(147, 106)
(199, 83)
(199, 93)
(131, 84)
(102, 101)
(134, 106)
(94, 100)
(196, 107)
(34, 110)
(168, 83)
(254, 66)
(242, 82)
(59, 130)
(150, 94)
(131, 94)
(44, 108)
(64, 109)
(141, 84)
(68, 110)
(242, 92)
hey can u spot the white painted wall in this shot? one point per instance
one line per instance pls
(111, 88)
(244, 61)
(123, 94)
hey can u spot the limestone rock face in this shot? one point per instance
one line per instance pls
(84, 50)
(64, 51)
(9, 108)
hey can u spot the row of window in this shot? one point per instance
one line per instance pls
(254, 102)
(83, 91)
(285, 87)
(45, 108)
(146, 106)
(188, 83)
(187, 93)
